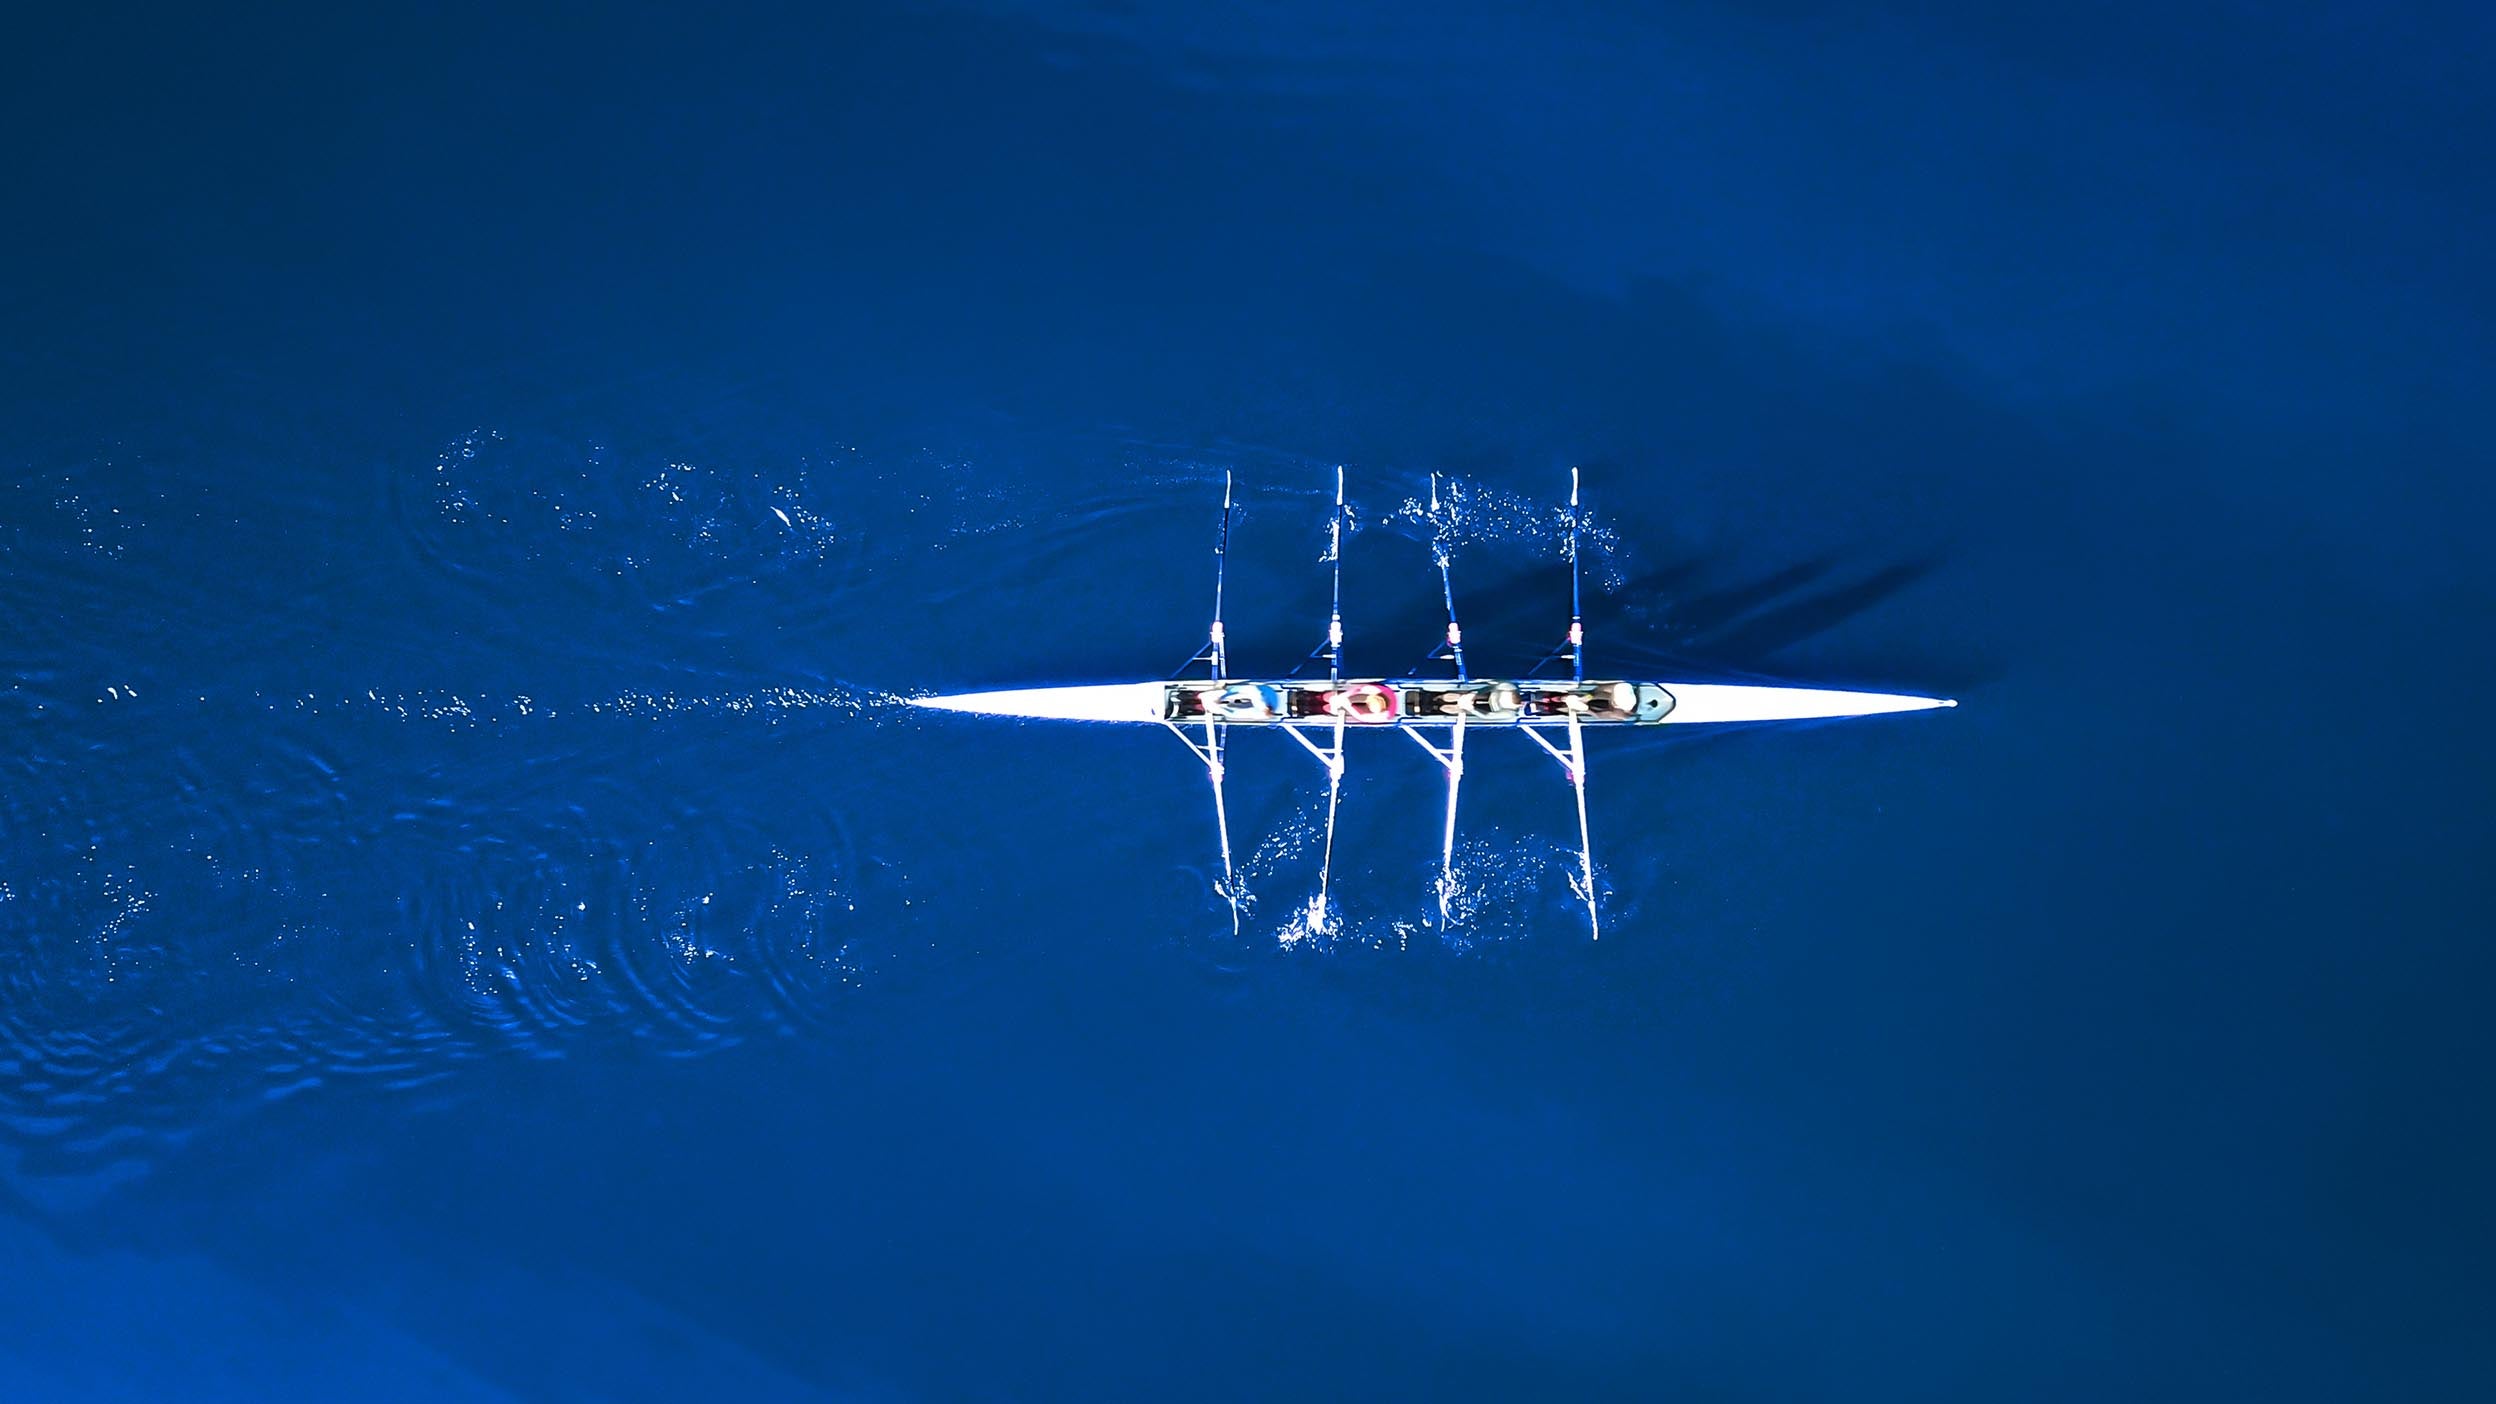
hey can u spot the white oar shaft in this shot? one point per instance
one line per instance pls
(1447, 839)
(1585, 834)
(1222, 821)
(1334, 802)
(1220, 647)
(1210, 754)
(1442, 549)
(1334, 621)
(1577, 600)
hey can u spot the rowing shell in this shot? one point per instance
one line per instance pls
(1318, 715)
(1409, 703)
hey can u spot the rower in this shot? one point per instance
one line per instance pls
(1494, 701)
(1592, 703)
(1362, 702)
(1242, 702)
(1611, 701)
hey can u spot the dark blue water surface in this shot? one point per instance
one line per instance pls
(476, 920)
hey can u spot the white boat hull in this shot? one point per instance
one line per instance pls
(1725, 702)
(1108, 702)
(1693, 703)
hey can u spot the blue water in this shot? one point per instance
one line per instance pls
(477, 923)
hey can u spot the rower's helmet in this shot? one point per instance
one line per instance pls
(1622, 696)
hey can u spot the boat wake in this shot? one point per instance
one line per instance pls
(1466, 512)
(248, 854)
(287, 903)
(1503, 888)
(466, 709)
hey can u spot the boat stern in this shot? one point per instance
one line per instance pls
(1106, 702)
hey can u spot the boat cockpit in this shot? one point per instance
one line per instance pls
(1386, 702)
